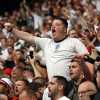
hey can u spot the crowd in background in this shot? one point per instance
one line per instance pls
(23, 74)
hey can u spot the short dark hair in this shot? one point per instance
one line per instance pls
(67, 85)
(26, 82)
(98, 58)
(62, 81)
(63, 20)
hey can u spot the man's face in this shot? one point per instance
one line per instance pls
(40, 92)
(8, 28)
(86, 90)
(16, 73)
(53, 87)
(58, 30)
(19, 86)
(75, 71)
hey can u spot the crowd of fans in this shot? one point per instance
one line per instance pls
(23, 70)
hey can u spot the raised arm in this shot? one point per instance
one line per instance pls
(23, 35)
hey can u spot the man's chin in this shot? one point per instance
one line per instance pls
(55, 39)
(49, 94)
(72, 77)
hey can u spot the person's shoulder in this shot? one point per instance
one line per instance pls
(72, 39)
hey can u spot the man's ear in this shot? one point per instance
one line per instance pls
(65, 29)
(61, 87)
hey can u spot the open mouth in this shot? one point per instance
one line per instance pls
(53, 30)
(71, 73)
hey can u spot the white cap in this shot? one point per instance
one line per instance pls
(6, 81)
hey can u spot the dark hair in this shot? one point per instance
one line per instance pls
(63, 81)
(29, 68)
(98, 58)
(9, 63)
(41, 81)
(63, 20)
(24, 80)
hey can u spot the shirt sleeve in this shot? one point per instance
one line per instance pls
(80, 47)
(41, 42)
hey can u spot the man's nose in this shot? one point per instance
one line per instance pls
(70, 68)
(49, 85)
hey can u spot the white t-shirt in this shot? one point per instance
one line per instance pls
(64, 98)
(46, 97)
(4, 54)
(58, 55)
(37, 21)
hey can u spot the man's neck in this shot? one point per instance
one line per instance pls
(78, 81)
(57, 96)
(63, 38)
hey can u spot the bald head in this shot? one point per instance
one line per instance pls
(86, 89)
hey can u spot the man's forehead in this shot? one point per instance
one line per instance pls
(57, 21)
(87, 86)
(62, 20)
(53, 79)
(74, 63)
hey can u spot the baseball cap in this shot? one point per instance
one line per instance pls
(7, 82)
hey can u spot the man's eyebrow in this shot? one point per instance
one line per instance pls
(51, 83)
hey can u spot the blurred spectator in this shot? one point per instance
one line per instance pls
(97, 62)
(96, 42)
(16, 73)
(7, 30)
(21, 89)
(57, 88)
(97, 96)
(28, 73)
(3, 97)
(86, 90)
(79, 73)
(6, 87)
(41, 84)
(46, 28)
(4, 55)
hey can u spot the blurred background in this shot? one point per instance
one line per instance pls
(9, 5)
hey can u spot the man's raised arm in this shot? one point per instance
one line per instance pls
(23, 35)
